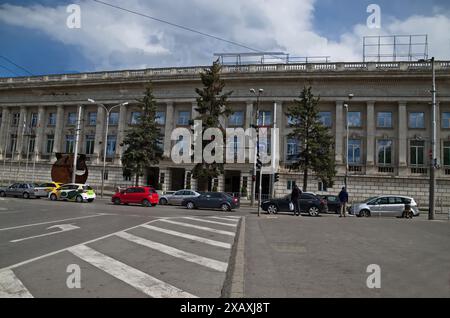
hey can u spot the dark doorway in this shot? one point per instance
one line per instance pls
(265, 186)
(205, 184)
(233, 182)
(152, 177)
(177, 179)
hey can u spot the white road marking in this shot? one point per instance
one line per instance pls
(208, 221)
(141, 281)
(62, 228)
(232, 217)
(188, 236)
(11, 286)
(207, 229)
(189, 257)
(50, 222)
(223, 219)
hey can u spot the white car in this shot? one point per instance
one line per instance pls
(178, 197)
(73, 192)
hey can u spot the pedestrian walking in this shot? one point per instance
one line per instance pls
(295, 199)
(343, 198)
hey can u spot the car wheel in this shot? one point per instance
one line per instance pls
(364, 213)
(272, 209)
(116, 201)
(145, 203)
(26, 195)
(225, 207)
(2, 194)
(53, 197)
(79, 199)
(190, 205)
(163, 201)
(313, 211)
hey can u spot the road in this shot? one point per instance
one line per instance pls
(132, 251)
(119, 251)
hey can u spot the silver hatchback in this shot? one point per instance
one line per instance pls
(177, 197)
(386, 205)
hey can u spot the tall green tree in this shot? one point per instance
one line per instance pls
(316, 143)
(211, 106)
(143, 141)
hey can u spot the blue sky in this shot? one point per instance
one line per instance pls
(111, 39)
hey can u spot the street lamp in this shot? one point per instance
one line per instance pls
(108, 111)
(434, 159)
(256, 153)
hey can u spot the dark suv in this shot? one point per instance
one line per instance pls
(309, 203)
(212, 200)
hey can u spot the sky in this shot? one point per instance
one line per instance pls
(35, 35)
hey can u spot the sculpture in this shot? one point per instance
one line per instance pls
(63, 167)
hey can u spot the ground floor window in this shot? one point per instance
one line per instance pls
(50, 143)
(417, 151)
(354, 151)
(70, 142)
(90, 141)
(384, 152)
(290, 184)
(447, 153)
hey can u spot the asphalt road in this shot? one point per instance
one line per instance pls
(119, 251)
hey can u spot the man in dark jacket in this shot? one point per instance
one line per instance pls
(295, 199)
(343, 198)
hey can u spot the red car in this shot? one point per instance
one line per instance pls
(145, 196)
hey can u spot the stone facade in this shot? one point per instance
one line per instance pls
(391, 104)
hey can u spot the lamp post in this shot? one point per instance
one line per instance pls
(346, 145)
(256, 155)
(108, 112)
(434, 160)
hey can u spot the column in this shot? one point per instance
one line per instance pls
(38, 146)
(402, 138)
(194, 184)
(168, 129)
(370, 139)
(248, 122)
(121, 133)
(21, 140)
(221, 184)
(340, 133)
(99, 135)
(279, 125)
(194, 112)
(4, 131)
(59, 129)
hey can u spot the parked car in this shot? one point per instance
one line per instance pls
(333, 203)
(177, 197)
(387, 205)
(146, 196)
(309, 203)
(212, 200)
(73, 192)
(42, 190)
(24, 190)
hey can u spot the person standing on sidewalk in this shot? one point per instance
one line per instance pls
(295, 199)
(343, 198)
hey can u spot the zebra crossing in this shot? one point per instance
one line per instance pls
(177, 257)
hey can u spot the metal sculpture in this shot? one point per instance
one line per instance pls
(62, 169)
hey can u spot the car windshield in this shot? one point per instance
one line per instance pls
(87, 188)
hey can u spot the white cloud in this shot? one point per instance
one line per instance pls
(111, 38)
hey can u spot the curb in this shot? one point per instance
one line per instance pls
(234, 280)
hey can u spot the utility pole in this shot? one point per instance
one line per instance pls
(256, 152)
(274, 151)
(77, 139)
(434, 161)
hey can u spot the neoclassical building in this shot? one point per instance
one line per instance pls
(389, 120)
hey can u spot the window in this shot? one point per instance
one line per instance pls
(384, 152)
(135, 118)
(290, 184)
(111, 146)
(182, 144)
(184, 118)
(446, 120)
(292, 147)
(292, 121)
(72, 119)
(416, 120)
(92, 119)
(13, 144)
(325, 119)
(34, 120)
(160, 118)
(447, 153)
(265, 145)
(70, 143)
(384, 120)
(235, 146)
(16, 119)
(236, 119)
(114, 119)
(354, 151)
(417, 153)
(1, 119)
(90, 142)
(31, 144)
(50, 143)
(52, 119)
(354, 119)
(265, 118)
